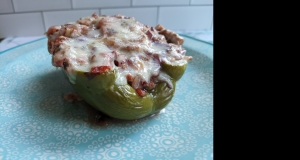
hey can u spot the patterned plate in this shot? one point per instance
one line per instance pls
(37, 123)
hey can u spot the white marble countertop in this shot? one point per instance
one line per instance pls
(10, 42)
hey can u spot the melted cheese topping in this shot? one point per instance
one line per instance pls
(98, 44)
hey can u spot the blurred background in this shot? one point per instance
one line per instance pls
(31, 18)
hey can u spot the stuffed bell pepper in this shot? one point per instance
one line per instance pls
(118, 65)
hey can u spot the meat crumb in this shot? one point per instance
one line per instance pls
(71, 97)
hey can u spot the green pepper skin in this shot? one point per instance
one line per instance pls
(121, 101)
(162, 95)
(174, 71)
(94, 83)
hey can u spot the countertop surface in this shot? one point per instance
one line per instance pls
(10, 42)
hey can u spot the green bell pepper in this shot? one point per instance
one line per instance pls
(122, 101)
(174, 71)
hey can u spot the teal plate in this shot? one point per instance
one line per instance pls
(37, 123)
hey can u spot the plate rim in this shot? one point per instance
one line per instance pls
(184, 35)
(21, 45)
